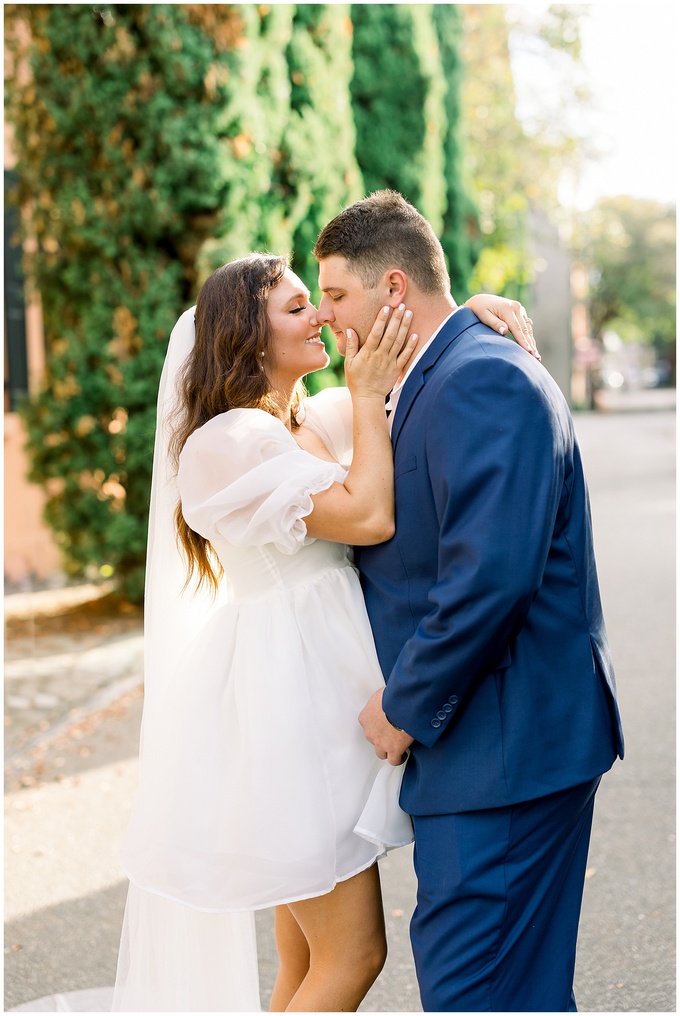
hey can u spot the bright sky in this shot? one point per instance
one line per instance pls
(631, 53)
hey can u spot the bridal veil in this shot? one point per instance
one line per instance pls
(175, 957)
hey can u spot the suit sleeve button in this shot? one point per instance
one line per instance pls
(453, 699)
(447, 707)
(435, 723)
(441, 715)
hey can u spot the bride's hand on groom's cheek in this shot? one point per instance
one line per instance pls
(385, 354)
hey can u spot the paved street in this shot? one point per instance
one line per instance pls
(627, 946)
(70, 784)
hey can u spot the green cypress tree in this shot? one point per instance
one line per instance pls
(319, 169)
(398, 93)
(251, 128)
(288, 139)
(320, 164)
(115, 127)
(459, 236)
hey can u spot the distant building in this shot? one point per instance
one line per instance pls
(551, 301)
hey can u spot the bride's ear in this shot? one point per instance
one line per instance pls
(396, 285)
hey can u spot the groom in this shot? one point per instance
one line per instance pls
(487, 620)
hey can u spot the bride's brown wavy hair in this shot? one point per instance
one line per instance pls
(227, 369)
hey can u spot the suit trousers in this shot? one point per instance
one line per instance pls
(499, 899)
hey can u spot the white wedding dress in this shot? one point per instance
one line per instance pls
(257, 785)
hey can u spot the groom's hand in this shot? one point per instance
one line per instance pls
(388, 742)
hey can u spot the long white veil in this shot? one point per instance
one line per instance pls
(175, 958)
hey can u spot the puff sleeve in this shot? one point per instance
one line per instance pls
(329, 414)
(242, 477)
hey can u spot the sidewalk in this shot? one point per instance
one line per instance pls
(68, 653)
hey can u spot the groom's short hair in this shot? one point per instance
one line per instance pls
(384, 231)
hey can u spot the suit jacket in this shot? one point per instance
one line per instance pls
(485, 604)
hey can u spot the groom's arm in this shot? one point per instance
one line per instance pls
(496, 453)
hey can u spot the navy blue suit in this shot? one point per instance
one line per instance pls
(487, 619)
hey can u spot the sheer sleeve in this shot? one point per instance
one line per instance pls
(329, 413)
(242, 477)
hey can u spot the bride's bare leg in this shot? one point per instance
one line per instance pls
(345, 931)
(293, 952)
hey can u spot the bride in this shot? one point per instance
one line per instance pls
(257, 787)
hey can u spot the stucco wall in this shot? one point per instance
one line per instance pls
(30, 550)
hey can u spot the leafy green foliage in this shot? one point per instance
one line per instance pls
(319, 169)
(629, 245)
(319, 166)
(288, 163)
(397, 92)
(251, 125)
(405, 94)
(494, 148)
(459, 236)
(115, 126)
(511, 163)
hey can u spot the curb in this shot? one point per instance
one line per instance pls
(48, 601)
(108, 658)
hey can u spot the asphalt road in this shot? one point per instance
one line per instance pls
(626, 959)
(67, 807)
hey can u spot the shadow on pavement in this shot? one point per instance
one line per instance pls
(69, 946)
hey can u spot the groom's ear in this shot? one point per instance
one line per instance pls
(396, 286)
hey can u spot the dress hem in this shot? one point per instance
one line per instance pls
(372, 838)
(275, 903)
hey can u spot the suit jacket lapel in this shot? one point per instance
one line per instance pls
(463, 318)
